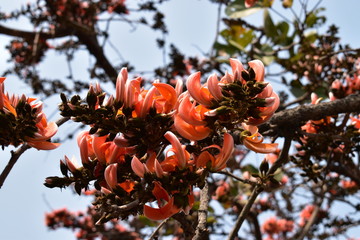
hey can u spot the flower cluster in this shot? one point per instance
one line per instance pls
(333, 137)
(22, 120)
(133, 152)
(85, 224)
(351, 85)
(27, 52)
(241, 100)
(83, 11)
(277, 228)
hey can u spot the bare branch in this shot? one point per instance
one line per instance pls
(201, 231)
(287, 121)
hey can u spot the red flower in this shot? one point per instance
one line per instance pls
(166, 208)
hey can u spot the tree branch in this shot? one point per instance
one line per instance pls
(58, 33)
(244, 212)
(201, 231)
(85, 35)
(287, 121)
(283, 157)
(153, 235)
(186, 225)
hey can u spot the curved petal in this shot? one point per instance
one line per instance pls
(110, 175)
(132, 92)
(237, 68)
(180, 154)
(188, 112)
(84, 150)
(43, 145)
(196, 90)
(147, 102)
(214, 88)
(226, 152)
(260, 147)
(138, 167)
(169, 95)
(120, 85)
(203, 159)
(189, 131)
(49, 131)
(179, 87)
(164, 212)
(98, 150)
(259, 69)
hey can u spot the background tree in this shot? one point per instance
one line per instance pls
(320, 172)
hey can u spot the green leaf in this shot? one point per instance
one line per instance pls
(237, 45)
(245, 12)
(311, 36)
(267, 59)
(297, 88)
(249, 168)
(311, 19)
(237, 9)
(147, 222)
(283, 28)
(269, 27)
(228, 49)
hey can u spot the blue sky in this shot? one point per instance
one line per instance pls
(24, 199)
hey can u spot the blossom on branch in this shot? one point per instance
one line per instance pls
(24, 121)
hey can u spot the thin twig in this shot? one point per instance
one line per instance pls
(154, 234)
(201, 231)
(298, 100)
(212, 51)
(14, 157)
(116, 210)
(236, 177)
(283, 157)
(309, 223)
(244, 212)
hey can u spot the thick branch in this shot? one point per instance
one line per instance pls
(31, 35)
(286, 121)
(88, 38)
(92, 44)
(201, 230)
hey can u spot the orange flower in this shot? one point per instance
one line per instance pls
(110, 175)
(162, 96)
(356, 122)
(189, 131)
(112, 151)
(255, 141)
(179, 150)
(72, 164)
(165, 210)
(45, 132)
(199, 92)
(191, 114)
(219, 161)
